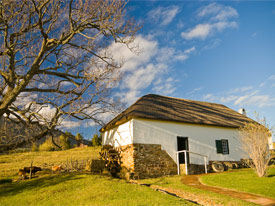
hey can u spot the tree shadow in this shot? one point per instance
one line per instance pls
(19, 187)
(272, 175)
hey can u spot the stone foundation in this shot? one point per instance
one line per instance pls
(192, 169)
(146, 161)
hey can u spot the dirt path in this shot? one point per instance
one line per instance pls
(193, 181)
(188, 196)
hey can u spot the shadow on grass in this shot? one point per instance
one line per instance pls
(19, 187)
(6, 180)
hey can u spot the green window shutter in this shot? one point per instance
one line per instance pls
(225, 142)
(219, 146)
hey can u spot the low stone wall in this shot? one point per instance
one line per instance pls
(146, 161)
(192, 169)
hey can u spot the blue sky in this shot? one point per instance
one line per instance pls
(222, 52)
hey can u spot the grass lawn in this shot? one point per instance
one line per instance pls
(210, 197)
(88, 189)
(245, 180)
(82, 189)
(72, 188)
(10, 164)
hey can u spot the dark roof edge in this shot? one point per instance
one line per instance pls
(103, 129)
(120, 119)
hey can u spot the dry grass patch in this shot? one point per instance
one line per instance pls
(10, 164)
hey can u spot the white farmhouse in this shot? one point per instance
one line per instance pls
(151, 131)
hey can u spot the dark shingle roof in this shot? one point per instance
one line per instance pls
(158, 107)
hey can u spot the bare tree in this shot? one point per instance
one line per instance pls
(55, 61)
(255, 139)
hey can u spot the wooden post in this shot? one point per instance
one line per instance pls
(186, 164)
(31, 170)
(205, 165)
(178, 163)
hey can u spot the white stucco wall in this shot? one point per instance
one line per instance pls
(201, 138)
(119, 136)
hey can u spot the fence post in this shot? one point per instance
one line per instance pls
(31, 170)
(186, 164)
(205, 165)
(178, 163)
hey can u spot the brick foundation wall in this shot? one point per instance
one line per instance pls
(147, 161)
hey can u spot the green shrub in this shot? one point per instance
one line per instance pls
(96, 141)
(47, 146)
(64, 142)
(78, 138)
(34, 147)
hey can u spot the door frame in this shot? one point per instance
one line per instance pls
(181, 155)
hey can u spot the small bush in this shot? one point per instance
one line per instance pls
(34, 147)
(47, 146)
(64, 142)
(254, 138)
(78, 138)
(96, 141)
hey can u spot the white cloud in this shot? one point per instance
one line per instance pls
(214, 43)
(182, 56)
(241, 89)
(255, 100)
(220, 26)
(228, 99)
(165, 54)
(219, 19)
(142, 71)
(139, 80)
(262, 84)
(195, 90)
(25, 98)
(241, 99)
(188, 51)
(245, 97)
(163, 16)
(69, 124)
(201, 31)
(48, 112)
(147, 49)
(209, 97)
(164, 87)
(272, 77)
(254, 34)
(218, 12)
(142, 77)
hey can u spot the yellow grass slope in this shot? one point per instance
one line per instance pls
(10, 164)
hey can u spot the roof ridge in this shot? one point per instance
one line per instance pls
(183, 99)
(159, 107)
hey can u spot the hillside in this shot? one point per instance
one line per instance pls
(75, 188)
(10, 164)
(12, 133)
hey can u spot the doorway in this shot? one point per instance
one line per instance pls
(183, 145)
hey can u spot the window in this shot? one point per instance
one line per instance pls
(222, 146)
